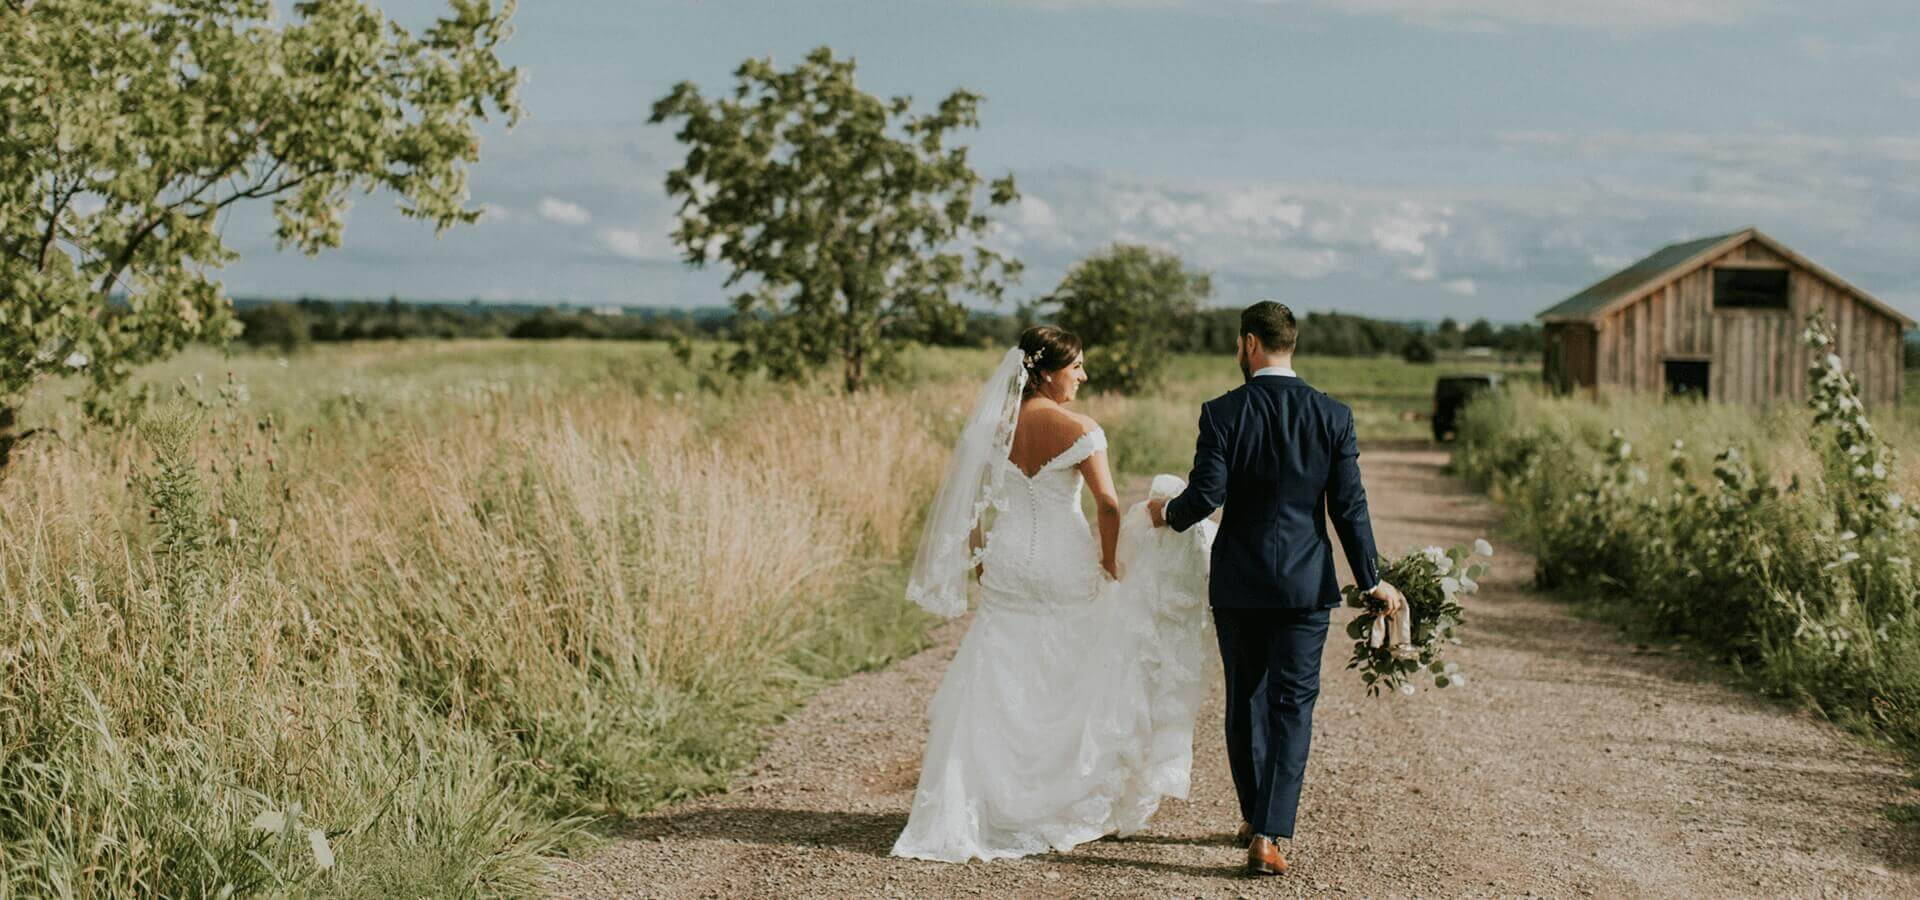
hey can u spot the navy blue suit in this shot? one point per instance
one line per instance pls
(1283, 459)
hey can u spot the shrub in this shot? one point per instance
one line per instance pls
(1790, 552)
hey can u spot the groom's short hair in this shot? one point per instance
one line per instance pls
(1272, 325)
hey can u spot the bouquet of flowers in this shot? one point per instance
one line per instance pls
(1391, 651)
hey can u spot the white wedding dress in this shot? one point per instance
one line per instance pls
(1068, 711)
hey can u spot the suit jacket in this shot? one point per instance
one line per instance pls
(1283, 459)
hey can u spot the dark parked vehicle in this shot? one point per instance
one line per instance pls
(1452, 392)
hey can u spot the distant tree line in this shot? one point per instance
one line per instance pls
(290, 325)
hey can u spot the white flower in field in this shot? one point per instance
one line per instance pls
(1859, 471)
(1895, 501)
(1847, 535)
(1833, 360)
(1450, 585)
(1483, 548)
(281, 362)
(1626, 449)
(1879, 470)
(77, 360)
(1468, 585)
(1407, 689)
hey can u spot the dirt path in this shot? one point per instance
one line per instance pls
(1573, 764)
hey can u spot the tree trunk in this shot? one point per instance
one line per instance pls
(7, 437)
(856, 371)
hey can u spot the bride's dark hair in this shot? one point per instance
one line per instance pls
(1048, 349)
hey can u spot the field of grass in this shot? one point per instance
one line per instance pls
(404, 618)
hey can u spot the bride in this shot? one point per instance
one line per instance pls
(1067, 713)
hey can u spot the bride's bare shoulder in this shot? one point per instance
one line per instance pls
(1056, 423)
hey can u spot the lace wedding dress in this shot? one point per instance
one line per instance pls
(1067, 712)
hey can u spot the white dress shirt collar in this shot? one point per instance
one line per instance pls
(1276, 370)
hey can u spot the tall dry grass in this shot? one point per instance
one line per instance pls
(426, 634)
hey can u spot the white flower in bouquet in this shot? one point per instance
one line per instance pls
(1434, 580)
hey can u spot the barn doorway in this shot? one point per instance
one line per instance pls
(1687, 378)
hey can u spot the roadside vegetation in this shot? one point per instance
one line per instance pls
(1783, 540)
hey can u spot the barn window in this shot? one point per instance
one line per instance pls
(1750, 288)
(1687, 378)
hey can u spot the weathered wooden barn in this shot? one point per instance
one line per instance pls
(1721, 316)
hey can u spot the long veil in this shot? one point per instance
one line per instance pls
(939, 580)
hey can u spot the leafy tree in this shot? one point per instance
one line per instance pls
(131, 127)
(1480, 334)
(1417, 350)
(843, 216)
(1126, 303)
(281, 325)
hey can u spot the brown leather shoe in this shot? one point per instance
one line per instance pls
(1244, 836)
(1263, 857)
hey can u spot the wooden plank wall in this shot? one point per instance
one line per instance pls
(1756, 356)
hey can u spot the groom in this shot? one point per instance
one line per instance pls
(1283, 459)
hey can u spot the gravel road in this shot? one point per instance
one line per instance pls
(1573, 764)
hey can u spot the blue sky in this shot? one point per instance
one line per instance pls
(1403, 158)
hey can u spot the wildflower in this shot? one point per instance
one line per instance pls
(1833, 360)
(1848, 535)
(1626, 449)
(1450, 585)
(1481, 547)
(77, 360)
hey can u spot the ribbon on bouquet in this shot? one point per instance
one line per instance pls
(1396, 629)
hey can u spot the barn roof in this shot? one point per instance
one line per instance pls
(1674, 260)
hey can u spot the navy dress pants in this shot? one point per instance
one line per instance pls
(1272, 663)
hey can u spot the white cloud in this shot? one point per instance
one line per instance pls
(1033, 212)
(1407, 230)
(635, 243)
(1425, 271)
(1484, 15)
(494, 213)
(1462, 286)
(554, 209)
(1615, 14)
